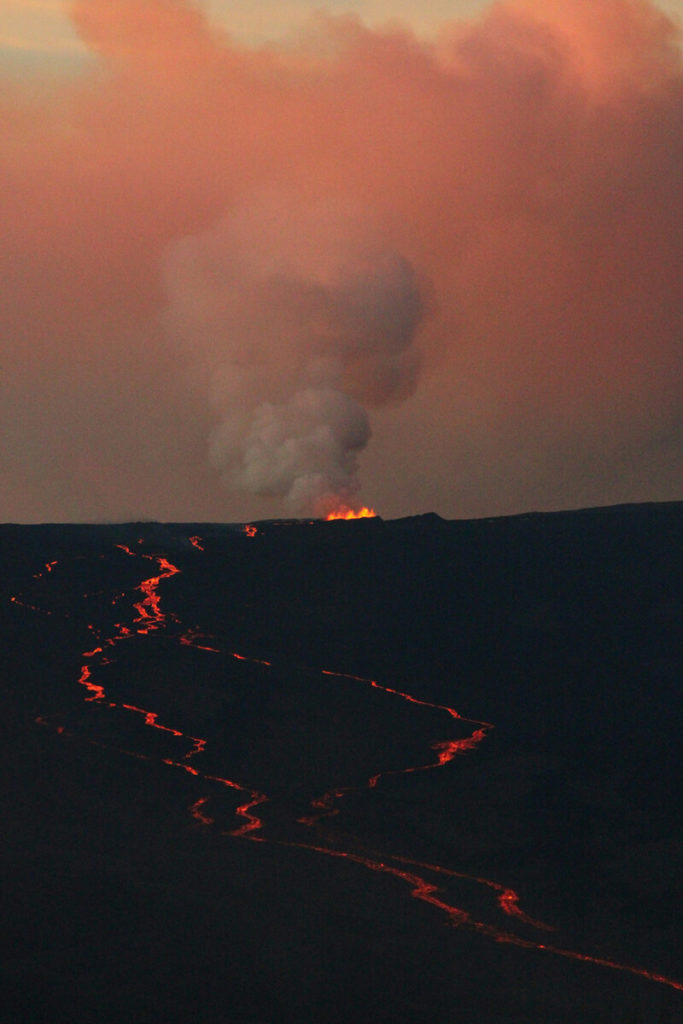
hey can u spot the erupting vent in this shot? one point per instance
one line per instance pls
(348, 513)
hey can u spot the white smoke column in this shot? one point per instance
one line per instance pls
(298, 319)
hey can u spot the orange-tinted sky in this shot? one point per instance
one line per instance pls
(426, 270)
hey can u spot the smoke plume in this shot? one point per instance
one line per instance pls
(225, 266)
(300, 320)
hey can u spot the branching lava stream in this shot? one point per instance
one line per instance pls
(426, 882)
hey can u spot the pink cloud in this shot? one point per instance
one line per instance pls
(198, 235)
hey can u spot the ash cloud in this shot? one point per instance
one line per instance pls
(300, 321)
(224, 266)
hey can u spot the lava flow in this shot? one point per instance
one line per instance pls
(426, 880)
(446, 750)
(150, 619)
(150, 616)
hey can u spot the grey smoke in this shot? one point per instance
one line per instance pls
(298, 320)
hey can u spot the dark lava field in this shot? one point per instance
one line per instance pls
(402, 772)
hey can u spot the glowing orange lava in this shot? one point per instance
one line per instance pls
(349, 513)
(197, 813)
(49, 566)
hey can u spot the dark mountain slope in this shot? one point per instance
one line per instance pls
(564, 631)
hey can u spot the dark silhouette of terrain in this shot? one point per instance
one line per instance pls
(248, 853)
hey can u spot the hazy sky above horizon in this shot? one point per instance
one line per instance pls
(257, 258)
(40, 33)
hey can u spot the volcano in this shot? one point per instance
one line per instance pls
(399, 771)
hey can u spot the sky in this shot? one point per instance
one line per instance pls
(271, 262)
